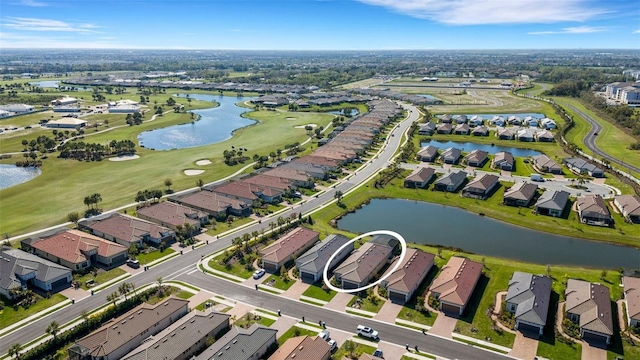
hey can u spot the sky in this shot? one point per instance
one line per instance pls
(320, 24)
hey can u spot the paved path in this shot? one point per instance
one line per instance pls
(524, 347)
(339, 302)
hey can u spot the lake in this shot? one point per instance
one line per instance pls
(468, 146)
(216, 124)
(427, 96)
(352, 112)
(46, 83)
(11, 175)
(427, 223)
(505, 116)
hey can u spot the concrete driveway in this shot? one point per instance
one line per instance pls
(593, 353)
(443, 326)
(524, 347)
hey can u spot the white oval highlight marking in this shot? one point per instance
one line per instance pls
(403, 243)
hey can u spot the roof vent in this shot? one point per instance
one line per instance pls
(227, 348)
(234, 341)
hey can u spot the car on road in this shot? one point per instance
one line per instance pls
(333, 345)
(595, 134)
(378, 353)
(367, 332)
(324, 335)
(258, 274)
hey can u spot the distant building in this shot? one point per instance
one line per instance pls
(17, 109)
(64, 101)
(67, 122)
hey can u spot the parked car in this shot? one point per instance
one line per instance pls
(333, 345)
(258, 274)
(378, 353)
(324, 335)
(367, 332)
(135, 264)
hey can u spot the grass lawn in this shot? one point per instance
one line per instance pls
(144, 259)
(236, 269)
(277, 282)
(558, 350)
(409, 314)
(220, 228)
(249, 319)
(293, 332)
(203, 305)
(11, 316)
(409, 311)
(358, 349)
(101, 278)
(315, 291)
(366, 304)
(183, 294)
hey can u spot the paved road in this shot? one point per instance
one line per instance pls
(590, 141)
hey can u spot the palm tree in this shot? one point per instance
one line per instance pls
(338, 195)
(113, 297)
(200, 183)
(123, 289)
(159, 281)
(73, 217)
(14, 350)
(53, 329)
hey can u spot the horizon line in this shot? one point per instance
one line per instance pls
(306, 50)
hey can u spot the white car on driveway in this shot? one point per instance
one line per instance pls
(258, 274)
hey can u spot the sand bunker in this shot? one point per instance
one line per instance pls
(203, 162)
(290, 118)
(192, 172)
(303, 126)
(124, 158)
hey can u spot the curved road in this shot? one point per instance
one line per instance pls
(185, 267)
(590, 141)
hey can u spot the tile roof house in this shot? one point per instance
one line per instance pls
(455, 284)
(451, 182)
(363, 264)
(481, 187)
(520, 194)
(444, 128)
(480, 131)
(503, 160)
(506, 133)
(292, 244)
(171, 215)
(269, 181)
(119, 336)
(476, 158)
(247, 192)
(419, 178)
(241, 344)
(402, 283)
(214, 204)
(427, 128)
(580, 166)
(126, 230)
(629, 206)
(589, 305)
(632, 299)
(77, 250)
(526, 135)
(462, 129)
(545, 164)
(552, 203)
(315, 171)
(528, 299)
(303, 347)
(183, 338)
(298, 178)
(311, 264)
(544, 136)
(428, 153)
(592, 210)
(19, 269)
(445, 119)
(450, 155)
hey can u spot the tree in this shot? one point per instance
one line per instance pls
(133, 251)
(200, 183)
(14, 350)
(123, 289)
(171, 102)
(168, 183)
(338, 195)
(53, 329)
(113, 297)
(73, 217)
(159, 280)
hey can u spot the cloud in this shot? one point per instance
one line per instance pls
(474, 12)
(34, 24)
(31, 3)
(22, 41)
(636, 32)
(573, 30)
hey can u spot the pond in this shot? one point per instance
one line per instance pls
(520, 115)
(351, 112)
(491, 149)
(11, 175)
(46, 83)
(216, 124)
(427, 96)
(427, 223)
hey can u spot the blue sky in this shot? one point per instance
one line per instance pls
(320, 24)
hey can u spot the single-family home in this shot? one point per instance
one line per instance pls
(311, 264)
(552, 203)
(462, 129)
(214, 204)
(303, 347)
(520, 194)
(314, 170)
(514, 120)
(241, 344)
(589, 305)
(592, 210)
(427, 128)
(503, 160)
(292, 244)
(506, 133)
(581, 166)
(298, 178)
(445, 128)
(544, 136)
(530, 121)
(548, 124)
(402, 283)
(419, 178)
(545, 164)
(182, 339)
(632, 300)
(119, 336)
(481, 187)
(127, 230)
(428, 153)
(525, 134)
(362, 265)
(76, 249)
(497, 120)
(445, 119)
(476, 158)
(450, 155)
(460, 119)
(475, 120)
(246, 192)
(528, 299)
(451, 182)
(21, 270)
(172, 215)
(480, 131)
(455, 284)
(629, 206)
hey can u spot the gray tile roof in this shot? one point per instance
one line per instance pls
(553, 199)
(363, 262)
(521, 191)
(315, 259)
(17, 262)
(451, 154)
(239, 344)
(531, 293)
(581, 164)
(592, 303)
(452, 178)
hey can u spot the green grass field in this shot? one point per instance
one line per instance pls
(277, 282)
(315, 291)
(9, 315)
